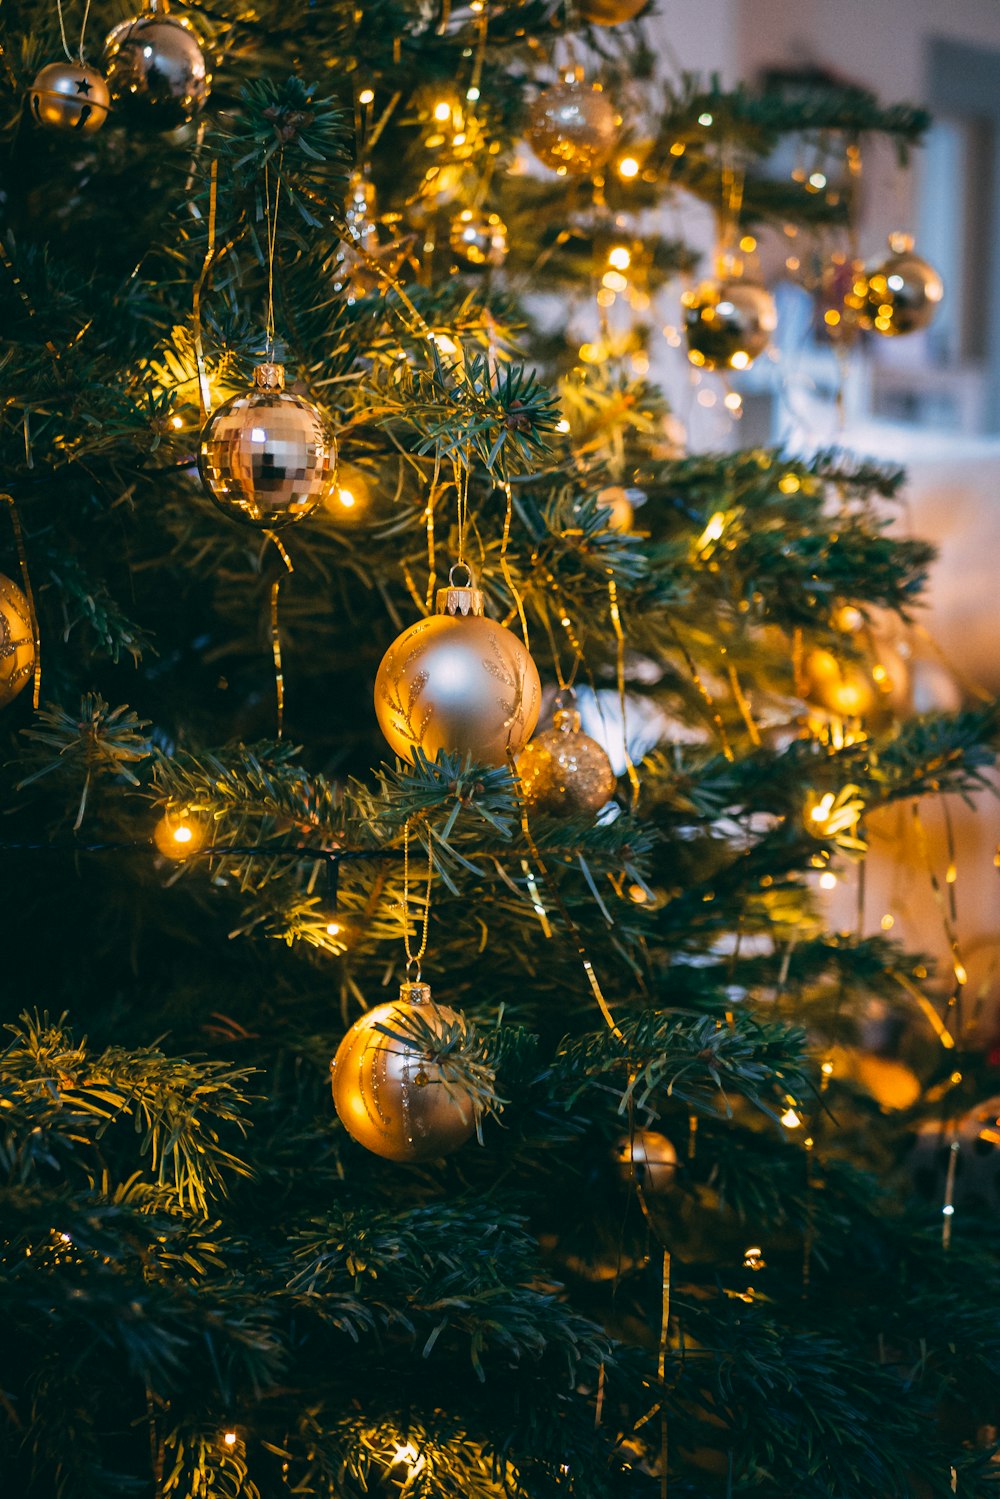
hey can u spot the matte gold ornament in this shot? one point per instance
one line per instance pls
(728, 323)
(156, 70)
(390, 1091)
(610, 12)
(903, 292)
(17, 644)
(458, 682)
(479, 238)
(564, 771)
(648, 1160)
(70, 96)
(573, 128)
(267, 457)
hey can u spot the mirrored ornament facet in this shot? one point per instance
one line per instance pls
(17, 645)
(266, 457)
(479, 238)
(728, 323)
(156, 71)
(573, 127)
(648, 1160)
(69, 96)
(904, 292)
(390, 1092)
(565, 772)
(458, 682)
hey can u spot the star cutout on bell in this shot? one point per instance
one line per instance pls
(83, 85)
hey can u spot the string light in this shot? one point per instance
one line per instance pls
(706, 119)
(442, 111)
(179, 834)
(366, 96)
(230, 1439)
(408, 1454)
(628, 167)
(828, 880)
(620, 258)
(790, 1119)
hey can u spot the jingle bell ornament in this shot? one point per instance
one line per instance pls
(156, 70)
(903, 292)
(565, 772)
(458, 682)
(648, 1160)
(392, 1094)
(728, 323)
(573, 128)
(267, 457)
(479, 238)
(70, 96)
(17, 644)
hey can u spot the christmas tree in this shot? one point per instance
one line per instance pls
(312, 314)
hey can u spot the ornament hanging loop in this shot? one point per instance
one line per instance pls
(412, 970)
(470, 579)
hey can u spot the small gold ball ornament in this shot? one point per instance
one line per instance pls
(390, 1092)
(728, 323)
(573, 128)
(479, 238)
(267, 457)
(648, 1160)
(17, 645)
(156, 69)
(565, 772)
(70, 96)
(610, 12)
(458, 682)
(904, 292)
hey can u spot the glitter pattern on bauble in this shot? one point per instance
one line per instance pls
(156, 71)
(17, 644)
(69, 96)
(564, 772)
(728, 323)
(458, 682)
(904, 292)
(266, 457)
(392, 1095)
(647, 1160)
(573, 127)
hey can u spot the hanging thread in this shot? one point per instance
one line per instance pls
(413, 959)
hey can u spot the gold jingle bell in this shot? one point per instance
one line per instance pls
(391, 1094)
(267, 457)
(479, 238)
(728, 323)
(573, 128)
(903, 292)
(156, 69)
(69, 96)
(17, 643)
(458, 682)
(565, 772)
(648, 1160)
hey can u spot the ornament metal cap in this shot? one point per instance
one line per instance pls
(413, 992)
(460, 598)
(269, 376)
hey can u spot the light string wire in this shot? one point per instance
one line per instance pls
(413, 959)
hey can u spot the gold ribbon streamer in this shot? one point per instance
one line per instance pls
(22, 558)
(505, 565)
(279, 674)
(204, 388)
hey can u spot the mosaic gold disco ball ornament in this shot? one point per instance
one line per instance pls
(728, 323)
(564, 771)
(478, 239)
(648, 1160)
(390, 1091)
(904, 292)
(573, 128)
(157, 74)
(17, 644)
(69, 96)
(458, 682)
(267, 458)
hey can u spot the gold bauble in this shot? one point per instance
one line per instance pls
(157, 75)
(728, 323)
(573, 127)
(69, 96)
(393, 1096)
(610, 12)
(564, 771)
(180, 834)
(266, 457)
(648, 1160)
(479, 238)
(889, 1082)
(17, 645)
(621, 513)
(841, 687)
(458, 682)
(903, 292)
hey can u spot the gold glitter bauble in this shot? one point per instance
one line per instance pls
(267, 457)
(610, 12)
(728, 323)
(156, 70)
(479, 238)
(69, 96)
(390, 1093)
(648, 1160)
(573, 128)
(564, 771)
(459, 682)
(17, 645)
(903, 292)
